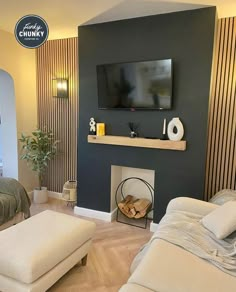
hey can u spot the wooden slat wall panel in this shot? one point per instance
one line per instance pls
(59, 59)
(221, 153)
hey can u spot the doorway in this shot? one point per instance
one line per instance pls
(8, 130)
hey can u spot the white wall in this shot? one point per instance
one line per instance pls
(116, 178)
(20, 63)
(8, 133)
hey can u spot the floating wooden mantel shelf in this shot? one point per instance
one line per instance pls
(138, 142)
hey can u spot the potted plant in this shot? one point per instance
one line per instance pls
(38, 149)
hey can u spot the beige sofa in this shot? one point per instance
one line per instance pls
(168, 268)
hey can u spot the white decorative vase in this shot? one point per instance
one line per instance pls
(41, 196)
(175, 123)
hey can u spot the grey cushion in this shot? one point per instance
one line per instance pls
(223, 196)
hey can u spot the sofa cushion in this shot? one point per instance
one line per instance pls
(33, 247)
(221, 221)
(223, 196)
(169, 268)
(190, 205)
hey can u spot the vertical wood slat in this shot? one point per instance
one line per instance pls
(212, 104)
(59, 59)
(218, 108)
(229, 103)
(221, 109)
(221, 153)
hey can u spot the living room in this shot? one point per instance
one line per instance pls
(199, 39)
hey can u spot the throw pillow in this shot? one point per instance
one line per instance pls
(223, 196)
(221, 221)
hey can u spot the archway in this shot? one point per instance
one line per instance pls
(8, 130)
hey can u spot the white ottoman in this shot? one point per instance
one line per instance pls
(35, 253)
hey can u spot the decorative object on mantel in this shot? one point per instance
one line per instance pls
(133, 210)
(92, 124)
(164, 134)
(100, 129)
(175, 123)
(133, 129)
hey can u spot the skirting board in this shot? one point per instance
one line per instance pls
(55, 195)
(50, 194)
(153, 226)
(105, 216)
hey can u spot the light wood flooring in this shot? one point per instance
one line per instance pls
(114, 246)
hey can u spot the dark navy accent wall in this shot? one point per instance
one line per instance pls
(187, 38)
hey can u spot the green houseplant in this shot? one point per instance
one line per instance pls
(38, 149)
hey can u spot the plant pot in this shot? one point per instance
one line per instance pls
(41, 196)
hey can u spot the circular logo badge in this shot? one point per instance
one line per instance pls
(31, 31)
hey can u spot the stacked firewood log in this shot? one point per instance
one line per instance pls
(133, 207)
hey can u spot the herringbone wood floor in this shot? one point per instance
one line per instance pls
(114, 246)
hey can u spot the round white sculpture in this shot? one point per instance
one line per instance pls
(175, 123)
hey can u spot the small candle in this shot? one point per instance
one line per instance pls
(100, 129)
(164, 127)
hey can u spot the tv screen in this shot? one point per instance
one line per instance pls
(137, 85)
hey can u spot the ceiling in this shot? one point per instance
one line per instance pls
(63, 17)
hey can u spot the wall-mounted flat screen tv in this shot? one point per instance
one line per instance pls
(137, 85)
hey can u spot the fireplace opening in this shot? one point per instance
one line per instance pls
(133, 206)
(132, 194)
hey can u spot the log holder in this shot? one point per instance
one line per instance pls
(137, 222)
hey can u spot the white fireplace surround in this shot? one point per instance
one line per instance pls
(131, 187)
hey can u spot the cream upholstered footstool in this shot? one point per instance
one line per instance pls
(35, 253)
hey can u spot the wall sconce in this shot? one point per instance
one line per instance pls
(60, 88)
